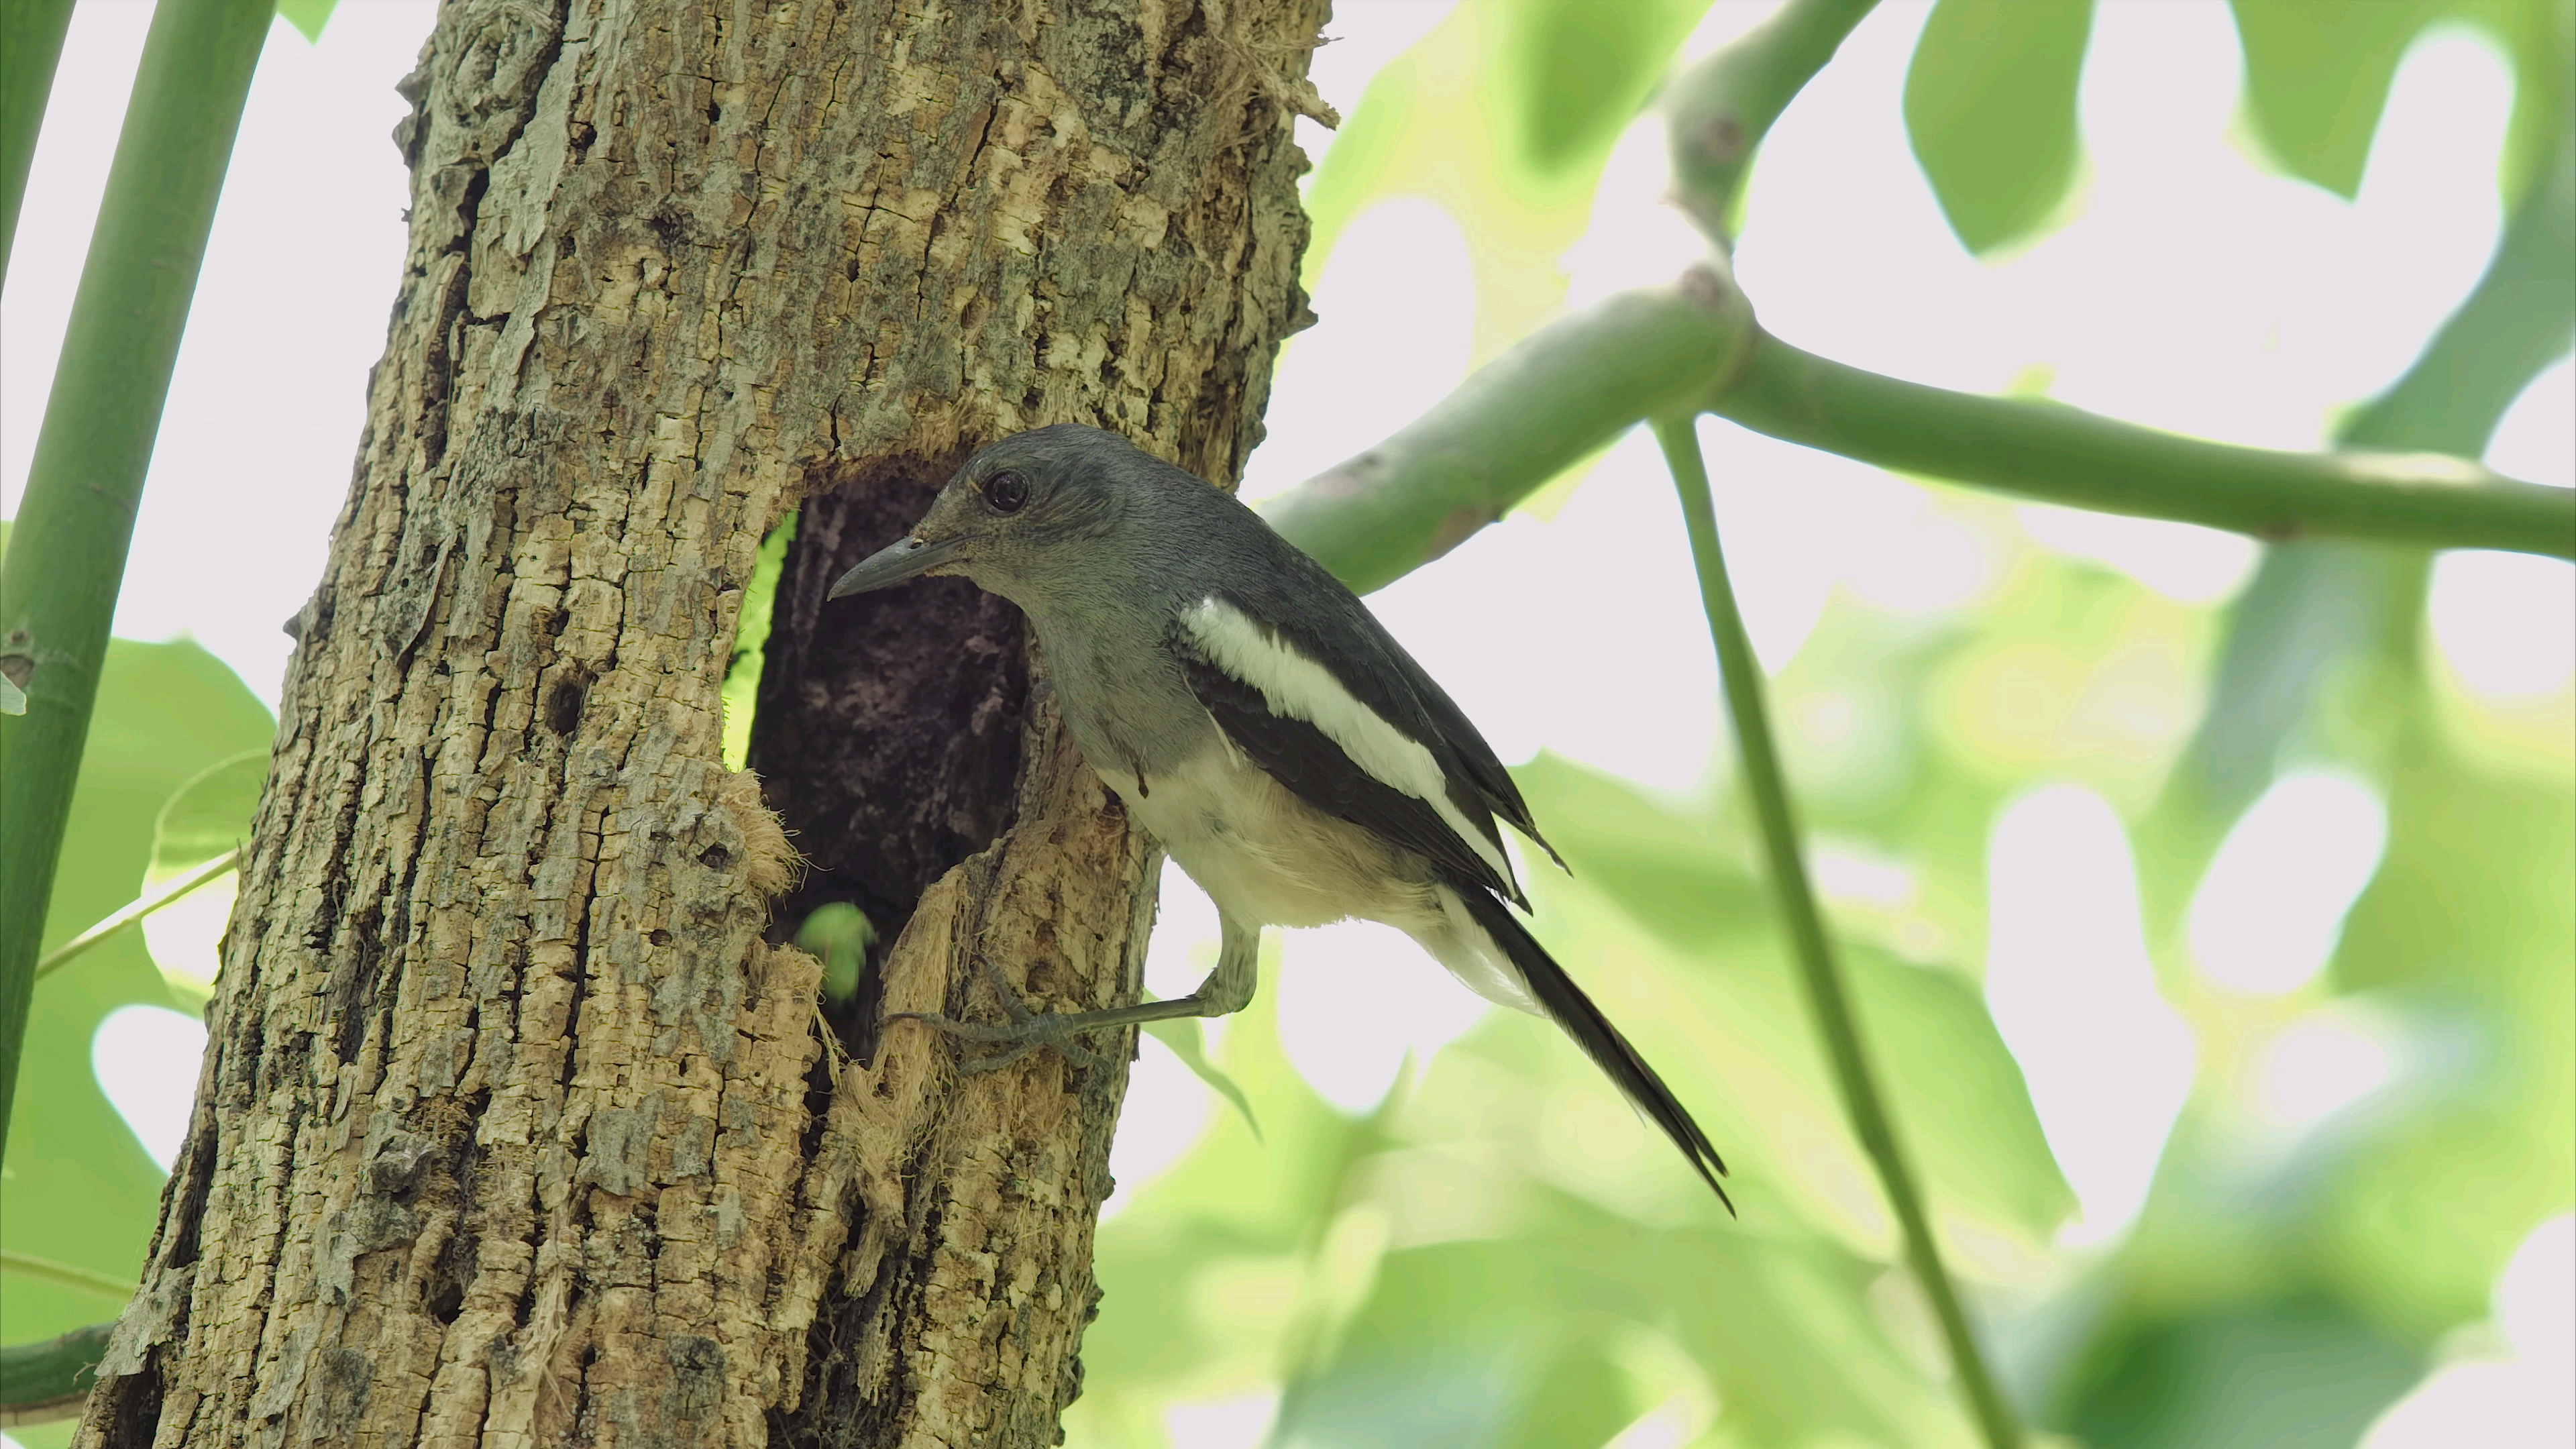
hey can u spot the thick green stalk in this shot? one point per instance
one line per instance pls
(1872, 1121)
(43, 1382)
(1719, 110)
(1561, 393)
(1570, 388)
(2318, 611)
(1574, 385)
(2520, 318)
(31, 43)
(2065, 455)
(67, 549)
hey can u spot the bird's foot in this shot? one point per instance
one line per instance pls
(1025, 1032)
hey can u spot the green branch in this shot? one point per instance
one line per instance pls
(1563, 392)
(2518, 319)
(1572, 387)
(133, 911)
(1575, 385)
(43, 1382)
(2310, 613)
(66, 551)
(66, 1275)
(1718, 111)
(1804, 925)
(31, 43)
(2065, 455)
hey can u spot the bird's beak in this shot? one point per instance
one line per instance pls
(907, 558)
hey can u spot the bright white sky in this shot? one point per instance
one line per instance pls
(2234, 317)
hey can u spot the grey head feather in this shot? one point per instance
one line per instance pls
(1104, 546)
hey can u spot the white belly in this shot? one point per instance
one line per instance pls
(1268, 858)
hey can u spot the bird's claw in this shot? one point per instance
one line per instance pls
(1027, 1031)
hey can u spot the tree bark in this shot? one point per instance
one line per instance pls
(516, 1128)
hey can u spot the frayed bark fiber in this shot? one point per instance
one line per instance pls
(518, 1127)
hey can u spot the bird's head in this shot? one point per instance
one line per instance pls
(1021, 512)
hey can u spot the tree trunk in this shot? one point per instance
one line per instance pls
(514, 1129)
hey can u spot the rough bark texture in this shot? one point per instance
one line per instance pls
(513, 1130)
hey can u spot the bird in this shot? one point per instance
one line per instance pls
(1262, 726)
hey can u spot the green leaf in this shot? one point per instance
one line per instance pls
(13, 700)
(66, 557)
(1585, 1396)
(750, 639)
(2317, 74)
(138, 909)
(1709, 999)
(1581, 69)
(2291, 1372)
(1990, 110)
(208, 816)
(838, 935)
(80, 1189)
(2316, 78)
(1190, 1045)
(307, 16)
(1461, 1342)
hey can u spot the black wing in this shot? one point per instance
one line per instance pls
(1328, 624)
(1316, 770)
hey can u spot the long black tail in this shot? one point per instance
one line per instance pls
(1565, 1004)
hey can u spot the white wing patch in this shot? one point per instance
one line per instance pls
(1297, 687)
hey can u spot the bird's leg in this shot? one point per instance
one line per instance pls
(1227, 990)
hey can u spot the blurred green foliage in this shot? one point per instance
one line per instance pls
(207, 816)
(1990, 97)
(1580, 71)
(1520, 187)
(1499, 1255)
(1990, 108)
(750, 639)
(838, 935)
(2317, 74)
(307, 16)
(78, 1187)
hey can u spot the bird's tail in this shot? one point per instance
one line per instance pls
(1564, 1003)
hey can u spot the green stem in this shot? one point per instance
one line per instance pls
(2064, 455)
(133, 911)
(2317, 613)
(66, 1275)
(1573, 386)
(31, 43)
(2518, 319)
(1563, 392)
(43, 1382)
(1719, 110)
(67, 549)
(1872, 1121)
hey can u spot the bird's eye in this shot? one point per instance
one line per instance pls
(1006, 492)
